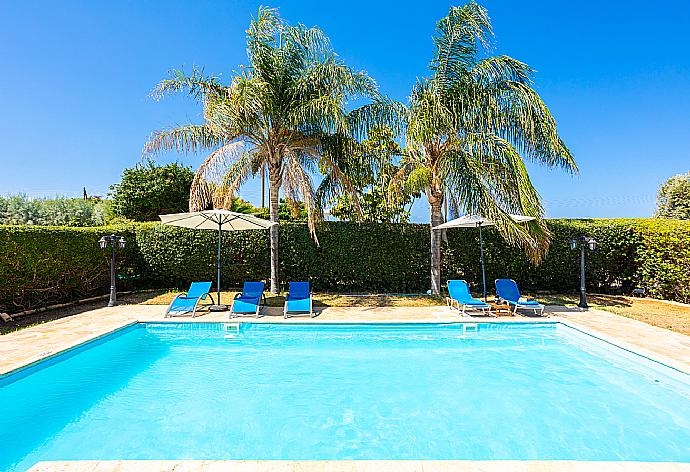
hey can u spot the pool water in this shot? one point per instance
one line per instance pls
(519, 391)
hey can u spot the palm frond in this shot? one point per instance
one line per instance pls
(488, 177)
(186, 139)
(381, 112)
(298, 187)
(196, 85)
(210, 184)
(458, 38)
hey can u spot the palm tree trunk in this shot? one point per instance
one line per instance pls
(436, 219)
(273, 191)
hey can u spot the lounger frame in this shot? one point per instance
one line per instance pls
(310, 313)
(454, 303)
(464, 307)
(169, 312)
(537, 309)
(259, 306)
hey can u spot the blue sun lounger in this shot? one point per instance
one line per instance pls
(298, 301)
(249, 302)
(507, 291)
(461, 299)
(186, 304)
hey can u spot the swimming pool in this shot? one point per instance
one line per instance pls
(520, 391)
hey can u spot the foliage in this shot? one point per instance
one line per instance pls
(60, 211)
(147, 191)
(44, 265)
(178, 256)
(287, 211)
(371, 169)
(470, 127)
(673, 200)
(40, 266)
(242, 206)
(664, 260)
(374, 207)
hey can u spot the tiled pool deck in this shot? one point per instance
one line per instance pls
(32, 344)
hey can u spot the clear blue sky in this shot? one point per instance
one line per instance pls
(76, 76)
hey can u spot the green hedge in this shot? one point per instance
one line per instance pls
(44, 265)
(612, 267)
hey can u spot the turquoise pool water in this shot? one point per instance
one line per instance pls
(270, 391)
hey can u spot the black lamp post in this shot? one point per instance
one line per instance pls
(114, 241)
(583, 241)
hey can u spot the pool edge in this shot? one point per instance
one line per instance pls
(89, 343)
(360, 466)
(80, 345)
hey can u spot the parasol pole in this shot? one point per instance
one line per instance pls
(220, 235)
(481, 252)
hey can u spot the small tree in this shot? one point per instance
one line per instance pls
(673, 199)
(371, 171)
(147, 191)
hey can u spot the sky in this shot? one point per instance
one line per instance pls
(76, 77)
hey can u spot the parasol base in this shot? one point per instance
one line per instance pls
(218, 308)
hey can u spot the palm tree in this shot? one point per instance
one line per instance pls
(285, 111)
(470, 126)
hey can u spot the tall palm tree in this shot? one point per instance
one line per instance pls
(285, 111)
(470, 126)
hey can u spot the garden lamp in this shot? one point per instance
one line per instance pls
(591, 243)
(114, 241)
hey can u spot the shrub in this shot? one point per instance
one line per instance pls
(673, 199)
(147, 191)
(60, 211)
(357, 257)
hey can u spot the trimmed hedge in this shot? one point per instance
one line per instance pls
(44, 265)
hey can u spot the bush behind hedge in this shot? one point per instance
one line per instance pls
(44, 265)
